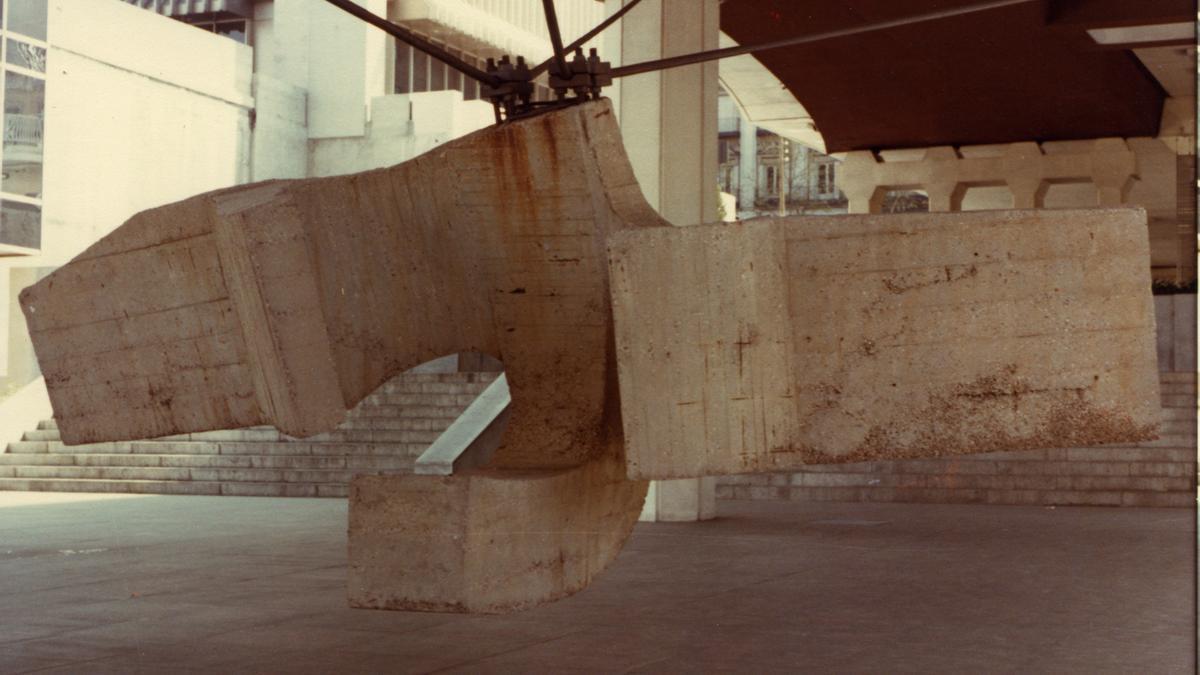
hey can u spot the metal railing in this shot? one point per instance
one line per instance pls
(23, 130)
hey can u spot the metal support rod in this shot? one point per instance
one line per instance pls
(560, 57)
(404, 35)
(714, 54)
(581, 40)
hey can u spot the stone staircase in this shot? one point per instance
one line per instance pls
(1155, 473)
(383, 434)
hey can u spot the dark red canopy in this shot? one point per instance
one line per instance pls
(1023, 72)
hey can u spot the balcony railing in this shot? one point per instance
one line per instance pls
(23, 130)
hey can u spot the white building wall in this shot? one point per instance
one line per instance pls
(402, 126)
(141, 110)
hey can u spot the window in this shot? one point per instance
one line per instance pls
(824, 179)
(20, 224)
(771, 184)
(418, 72)
(27, 56)
(234, 29)
(27, 17)
(24, 106)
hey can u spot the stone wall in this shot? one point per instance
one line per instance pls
(1155, 473)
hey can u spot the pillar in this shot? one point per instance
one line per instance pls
(747, 167)
(669, 122)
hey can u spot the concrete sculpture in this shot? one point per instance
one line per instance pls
(734, 348)
(770, 344)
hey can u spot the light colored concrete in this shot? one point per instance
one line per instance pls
(669, 121)
(1175, 319)
(401, 126)
(747, 166)
(241, 318)
(1026, 168)
(842, 339)
(163, 584)
(179, 125)
(472, 437)
(30, 402)
(763, 101)
(273, 318)
(487, 541)
(244, 461)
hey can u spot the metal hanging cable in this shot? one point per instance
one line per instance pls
(508, 84)
(560, 57)
(581, 40)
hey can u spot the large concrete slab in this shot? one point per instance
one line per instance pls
(740, 348)
(287, 302)
(494, 541)
(772, 344)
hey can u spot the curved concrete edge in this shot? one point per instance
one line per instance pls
(764, 101)
(487, 542)
(471, 439)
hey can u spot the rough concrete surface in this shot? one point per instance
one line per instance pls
(775, 343)
(254, 585)
(287, 302)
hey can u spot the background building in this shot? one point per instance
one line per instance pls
(213, 93)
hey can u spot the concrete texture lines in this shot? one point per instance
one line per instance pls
(198, 584)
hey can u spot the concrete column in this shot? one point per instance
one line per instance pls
(346, 67)
(669, 121)
(747, 166)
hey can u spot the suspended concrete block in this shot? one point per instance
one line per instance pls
(734, 348)
(287, 302)
(774, 343)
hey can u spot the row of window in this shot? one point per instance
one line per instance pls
(23, 93)
(416, 72)
(820, 181)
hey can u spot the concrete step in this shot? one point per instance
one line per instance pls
(375, 436)
(952, 467)
(425, 400)
(43, 458)
(407, 387)
(437, 424)
(182, 473)
(1179, 401)
(444, 377)
(1177, 376)
(394, 411)
(370, 463)
(356, 424)
(25, 448)
(963, 495)
(325, 449)
(1179, 414)
(1035, 481)
(176, 487)
(384, 434)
